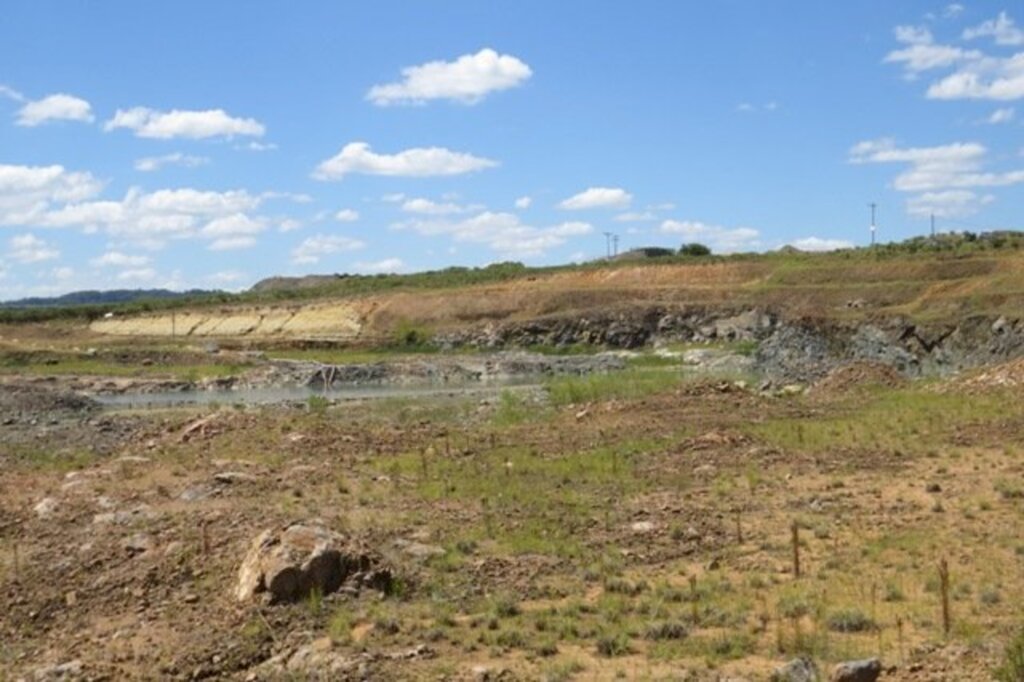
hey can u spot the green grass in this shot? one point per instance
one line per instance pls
(628, 384)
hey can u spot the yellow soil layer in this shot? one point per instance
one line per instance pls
(336, 320)
(926, 287)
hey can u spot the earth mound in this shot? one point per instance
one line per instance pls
(858, 375)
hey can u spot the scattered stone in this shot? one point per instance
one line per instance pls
(797, 670)
(46, 507)
(230, 477)
(62, 671)
(642, 527)
(418, 550)
(289, 564)
(122, 518)
(137, 544)
(195, 493)
(866, 670)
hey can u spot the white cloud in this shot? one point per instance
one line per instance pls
(989, 78)
(1002, 29)
(119, 259)
(820, 244)
(59, 107)
(598, 197)
(393, 198)
(720, 239)
(357, 157)
(1003, 115)
(289, 225)
(913, 35)
(346, 215)
(233, 225)
(11, 93)
(226, 277)
(636, 217)
(953, 10)
(194, 125)
(957, 203)
(925, 56)
(429, 207)
(260, 146)
(137, 275)
(62, 274)
(523, 203)
(153, 163)
(387, 265)
(468, 79)
(956, 165)
(27, 192)
(231, 243)
(312, 249)
(27, 248)
(505, 233)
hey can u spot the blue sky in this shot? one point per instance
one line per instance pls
(198, 144)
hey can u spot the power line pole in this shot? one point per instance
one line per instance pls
(615, 244)
(608, 243)
(872, 205)
(933, 226)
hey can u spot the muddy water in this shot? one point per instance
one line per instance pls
(286, 394)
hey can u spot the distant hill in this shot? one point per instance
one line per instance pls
(291, 283)
(112, 297)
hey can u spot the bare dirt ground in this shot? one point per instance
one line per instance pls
(646, 534)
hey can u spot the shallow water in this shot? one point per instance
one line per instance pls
(287, 394)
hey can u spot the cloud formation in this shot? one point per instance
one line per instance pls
(597, 197)
(194, 125)
(358, 157)
(149, 164)
(468, 80)
(504, 233)
(720, 239)
(312, 249)
(59, 107)
(28, 248)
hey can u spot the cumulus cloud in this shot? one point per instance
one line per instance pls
(597, 197)
(636, 217)
(312, 249)
(523, 203)
(820, 244)
(59, 107)
(468, 80)
(504, 233)
(956, 203)
(923, 54)
(428, 207)
(137, 275)
(11, 93)
(387, 265)
(153, 163)
(347, 215)
(990, 78)
(119, 259)
(195, 125)
(1003, 30)
(1003, 115)
(358, 157)
(720, 239)
(28, 192)
(28, 248)
(957, 165)
(231, 243)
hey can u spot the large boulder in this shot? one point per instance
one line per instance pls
(866, 670)
(797, 670)
(289, 564)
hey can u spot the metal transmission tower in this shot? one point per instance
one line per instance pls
(615, 244)
(608, 243)
(872, 205)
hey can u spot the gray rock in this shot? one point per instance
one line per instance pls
(866, 670)
(46, 507)
(62, 671)
(797, 670)
(291, 563)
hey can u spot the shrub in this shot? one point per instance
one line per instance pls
(850, 620)
(610, 645)
(1012, 669)
(694, 249)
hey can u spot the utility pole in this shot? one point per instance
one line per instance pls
(615, 244)
(933, 226)
(872, 205)
(608, 243)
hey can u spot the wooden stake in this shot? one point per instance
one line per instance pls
(944, 588)
(795, 529)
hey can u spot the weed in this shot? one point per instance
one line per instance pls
(850, 620)
(613, 644)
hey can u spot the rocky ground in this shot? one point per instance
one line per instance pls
(644, 532)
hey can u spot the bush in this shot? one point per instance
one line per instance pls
(610, 645)
(1012, 669)
(851, 620)
(694, 249)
